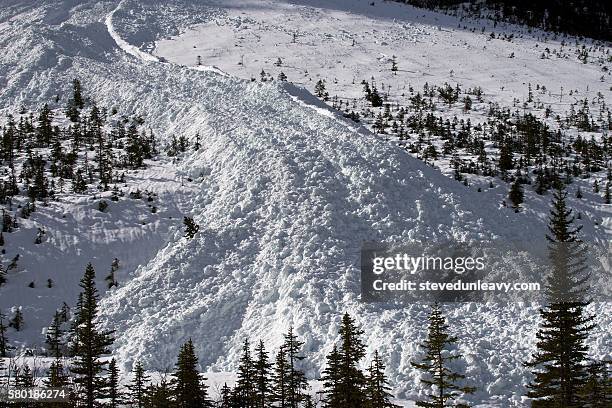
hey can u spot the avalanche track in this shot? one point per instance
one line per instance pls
(285, 191)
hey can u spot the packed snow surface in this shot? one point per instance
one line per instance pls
(284, 189)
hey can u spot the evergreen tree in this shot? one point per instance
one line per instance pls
(160, 395)
(138, 387)
(559, 364)
(296, 379)
(77, 95)
(54, 336)
(597, 391)
(245, 386)
(24, 377)
(89, 343)
(377, 385)
(320, 90)
(332, 380)
(540, 185)
(375, 99)
(134, 148)
(57, 377)
(226, 397)
(44, 131)
(607, 197)
(516, 195)
(262, 372)
(4, 344)
(188, 388)
(351, 350)
(345, 381)
(440, 377)
(113, 394)
(78, 184)
(505, 158)
(280, 381)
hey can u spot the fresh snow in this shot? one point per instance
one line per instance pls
(285, 189)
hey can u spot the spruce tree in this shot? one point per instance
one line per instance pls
(344, 382)
(44, 130)
(54, 336)
(245, 386)
(138, 386)
(597, 391)
(113, 394)
(505, 158)
(441, 379)
(560, 363)
(296, 379)
(57, 377)
(262, 372)
(377, 385)
(77, 95)
(188, 388)
(516, 194)
(375, 99)
(320, 89)
(89, 343)
(134, 147)
(351, 350)
(331, 380)
(24, 377)
(160, 395)
(226, 397)
(280, 380)
(78, 183)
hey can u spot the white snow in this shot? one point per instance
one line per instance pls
(285, 190)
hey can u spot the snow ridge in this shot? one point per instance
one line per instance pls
(121, 43)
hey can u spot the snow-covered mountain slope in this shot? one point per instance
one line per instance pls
(344, 43)
(285, 191)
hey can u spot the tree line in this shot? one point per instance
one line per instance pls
(587, 18)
